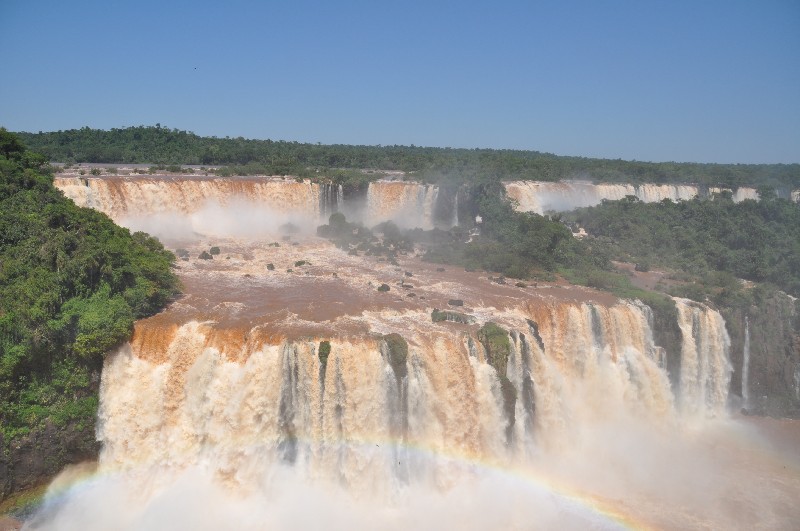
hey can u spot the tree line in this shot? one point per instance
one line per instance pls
(161, 145)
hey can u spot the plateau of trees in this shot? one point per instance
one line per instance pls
(160, 145)
(708, 243)
(71, 285)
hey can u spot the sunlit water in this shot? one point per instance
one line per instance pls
(219, 414)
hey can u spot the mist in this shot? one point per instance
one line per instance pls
(617, 475)
(239, 217)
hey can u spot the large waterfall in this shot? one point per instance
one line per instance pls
(284, 391)
(409, 204)
(541, 197)
(139, 201)
(121, 197)
(178, 396)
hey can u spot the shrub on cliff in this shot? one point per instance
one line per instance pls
(397, 353)
(498, 346)
(323, 352)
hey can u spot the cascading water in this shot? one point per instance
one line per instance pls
(330, 199)
(705, 366)
(455, 209)
(140, 202)
(541, 197)
(746, 364)
(408, 204)
(178, 398)
(222, 413)
(211, 401)
(123, 196)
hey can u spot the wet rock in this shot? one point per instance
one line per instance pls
(438, 316)
(36, 458)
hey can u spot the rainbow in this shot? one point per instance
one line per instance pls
(577, 501)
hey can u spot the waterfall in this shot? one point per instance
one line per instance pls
(250, 412)
(408, 204)
(541, 197)
(746, 365)
(455, 209)
(186, 397)
(198, 203)
(705, 366)
(330, 200)
(130, 200)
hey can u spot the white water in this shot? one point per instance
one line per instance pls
(149, 203)
(204, 435)
(705, 366)
(541, 197)
(746, 364)
(408, 204)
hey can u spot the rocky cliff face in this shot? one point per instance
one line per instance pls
(33, 460)
(773, 381)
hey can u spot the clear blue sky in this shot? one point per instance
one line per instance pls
(709, 81)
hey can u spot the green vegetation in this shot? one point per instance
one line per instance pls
(516, 244)
(323, 352)
(213, 251)
(397, 350)
(438, 316)
(71, 285)
(710, 243)
(355, 238)
(497, 345)
(23, 502)
(248, 157)
(383, 288)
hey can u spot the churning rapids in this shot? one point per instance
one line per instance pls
(220, 414)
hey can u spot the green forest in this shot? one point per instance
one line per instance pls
(71, 285)
(161, 145)
(708, 243)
